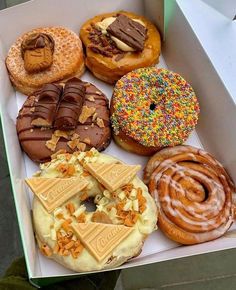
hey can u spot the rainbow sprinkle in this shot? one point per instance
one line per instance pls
(155, 107)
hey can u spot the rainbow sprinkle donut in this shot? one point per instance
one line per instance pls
(152, 108)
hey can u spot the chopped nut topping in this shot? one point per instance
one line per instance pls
(52, 143)
(68, 156)
(60, 216)
(61, 151)
(89, 153)
(127, 189)
(81, 218)
(73, 144)
(75, 136)
(66, 169)
(81, 146)
(100, 123)
(66, 225)
(141, 200)
(86, 113)
(64, 134)
(68, 245)
(91, 99)
(70, 207)
(87, 141)
(94, 116)
(129, 217)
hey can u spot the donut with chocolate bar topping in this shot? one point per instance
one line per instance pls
(68, 116)
(119, 42)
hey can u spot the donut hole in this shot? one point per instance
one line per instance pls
(90, 205)
(152, 106)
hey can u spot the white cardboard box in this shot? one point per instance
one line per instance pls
(181, 49)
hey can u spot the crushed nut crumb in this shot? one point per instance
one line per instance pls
(63, 134)
(100, 123)
(87, 141)
(81, 146)
(75, 136)
(91, 99)
(52, 143)
(94, 116)
(73, 143)
(86, 113)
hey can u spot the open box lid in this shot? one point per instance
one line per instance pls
(226, 7)
(204, 53)
(183, 52)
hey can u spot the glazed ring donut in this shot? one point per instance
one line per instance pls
(151, 109)
(88, 119)
(68, 60)
(109, 63)
(193, 192)
(111, 208)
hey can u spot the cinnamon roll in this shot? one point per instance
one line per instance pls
(193, 192)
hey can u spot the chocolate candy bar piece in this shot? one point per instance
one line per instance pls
(71, 105)
(45, 105)
(129, 31)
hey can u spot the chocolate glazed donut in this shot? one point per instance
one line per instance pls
(71, 116)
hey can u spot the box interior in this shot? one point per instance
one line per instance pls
(55, 12)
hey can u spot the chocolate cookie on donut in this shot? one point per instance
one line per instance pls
(68, 116)
(119, 42)
(151, 109)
